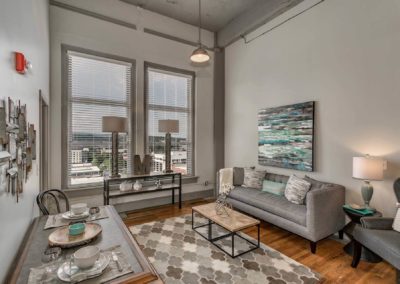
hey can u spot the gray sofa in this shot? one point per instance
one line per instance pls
(321, 215)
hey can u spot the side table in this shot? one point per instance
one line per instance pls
(366, 254)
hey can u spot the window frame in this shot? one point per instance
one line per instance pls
(190, 73)
(65, 108)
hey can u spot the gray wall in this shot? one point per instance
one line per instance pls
(23, 27)
(77, 29)
(345, 56)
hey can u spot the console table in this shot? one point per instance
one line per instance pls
(170, 181)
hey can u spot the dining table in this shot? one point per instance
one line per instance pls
(114, 233)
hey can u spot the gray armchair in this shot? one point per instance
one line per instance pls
(377, 235)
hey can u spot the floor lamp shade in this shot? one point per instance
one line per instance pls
(114, 124)
(168, 126)
(367, 169)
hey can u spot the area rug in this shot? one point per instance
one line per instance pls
(181, 255)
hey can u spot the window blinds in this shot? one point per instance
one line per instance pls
(169, 95)
(97, 87)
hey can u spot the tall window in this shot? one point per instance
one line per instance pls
(96, 87)
(169, 95)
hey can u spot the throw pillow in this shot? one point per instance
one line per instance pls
(396, 223)
(276, 188)
(253, 178)
(238, 176)
(296, 189)
(316, 184)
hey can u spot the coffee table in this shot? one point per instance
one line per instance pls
(234, 222)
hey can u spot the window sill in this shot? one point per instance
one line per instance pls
(95, 190)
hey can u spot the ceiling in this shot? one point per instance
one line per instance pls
(216, 14)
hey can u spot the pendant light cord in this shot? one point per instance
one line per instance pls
(200, 23)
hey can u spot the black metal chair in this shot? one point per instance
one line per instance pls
(44, 199)
(378, 236)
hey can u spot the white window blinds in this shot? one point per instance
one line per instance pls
(169, 95)
(97, 87)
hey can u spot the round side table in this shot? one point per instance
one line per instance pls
(366, 254)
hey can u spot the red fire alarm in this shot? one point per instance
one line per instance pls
(21, 64)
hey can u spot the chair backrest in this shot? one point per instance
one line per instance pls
(49, 201)
(396, 187)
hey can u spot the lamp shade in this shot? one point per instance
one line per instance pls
(367, 168)
(115, 124)
(200, 55)
(168, 125)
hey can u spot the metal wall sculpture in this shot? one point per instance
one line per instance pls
(17, 148)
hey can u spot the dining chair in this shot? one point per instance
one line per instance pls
(51, 200)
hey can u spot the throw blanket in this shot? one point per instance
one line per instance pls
(225, 180)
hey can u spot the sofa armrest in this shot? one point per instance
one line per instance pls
(325, 215)
(377, 223)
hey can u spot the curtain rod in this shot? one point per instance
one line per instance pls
(280, 24)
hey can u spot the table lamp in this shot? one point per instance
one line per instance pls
(115, 125)
(367, 169)
(168, 126)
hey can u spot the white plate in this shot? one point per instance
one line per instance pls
(70, 216)
(64, 272)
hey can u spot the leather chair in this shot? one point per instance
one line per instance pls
(377, 235)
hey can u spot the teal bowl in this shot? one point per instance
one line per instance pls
(76, 229)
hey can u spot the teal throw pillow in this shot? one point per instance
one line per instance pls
(276, 188)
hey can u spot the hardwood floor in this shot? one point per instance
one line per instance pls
(330, 260)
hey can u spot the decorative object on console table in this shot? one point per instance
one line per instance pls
(168, 126)
(286, 136)
(367, 169)
(115, 125)
(142, 168)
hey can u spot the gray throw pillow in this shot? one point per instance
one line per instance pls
(296, 189)
(316, 184)
(253, 178)
(238, 176)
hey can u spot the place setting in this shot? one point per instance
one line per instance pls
(77, 212)
(89, 264)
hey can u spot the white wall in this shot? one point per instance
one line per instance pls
(24, 28)
(67, 27)
(345, 56)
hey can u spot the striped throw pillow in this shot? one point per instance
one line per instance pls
(253, 178)
(296, 189)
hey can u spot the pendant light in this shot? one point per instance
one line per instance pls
(200, 54)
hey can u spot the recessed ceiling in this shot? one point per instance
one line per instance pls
(216, 14)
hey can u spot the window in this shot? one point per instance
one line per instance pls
(169, 95)
(97, 86)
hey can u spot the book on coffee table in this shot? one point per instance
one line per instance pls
(365, 211)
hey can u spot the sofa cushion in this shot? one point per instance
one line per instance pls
(296, 189)
(385, 243)
(276, 188)
(277, 205)
(238, 176)
(253, 178)
(316, 184)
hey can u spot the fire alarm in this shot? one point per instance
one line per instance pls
(21, 64)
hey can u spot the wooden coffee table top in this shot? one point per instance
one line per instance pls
(236, 221)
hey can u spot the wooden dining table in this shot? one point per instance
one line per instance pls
(114, 233)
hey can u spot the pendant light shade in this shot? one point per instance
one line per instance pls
(200, 55)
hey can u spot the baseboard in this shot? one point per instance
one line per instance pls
(145, 203)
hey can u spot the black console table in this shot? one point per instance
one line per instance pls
(169, 181)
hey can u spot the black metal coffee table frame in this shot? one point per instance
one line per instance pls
(230, 234)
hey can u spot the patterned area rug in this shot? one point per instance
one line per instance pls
(181, 255)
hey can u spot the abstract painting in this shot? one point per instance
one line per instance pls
(285, 136)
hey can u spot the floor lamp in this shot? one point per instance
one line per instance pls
(115, 125)
(168, 126)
